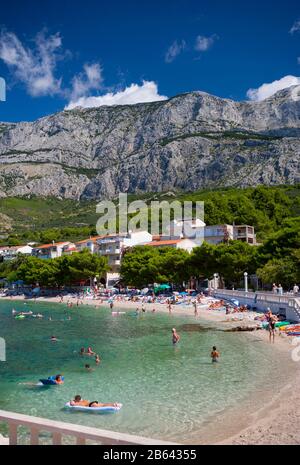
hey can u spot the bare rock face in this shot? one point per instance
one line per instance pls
(189, 142)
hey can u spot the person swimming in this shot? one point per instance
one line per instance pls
(97, 359)
(90, 351)
(58, 379)
(175, 336)
(88, 368)
(214, 354)
(53, 339)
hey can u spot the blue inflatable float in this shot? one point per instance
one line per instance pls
(50, 381)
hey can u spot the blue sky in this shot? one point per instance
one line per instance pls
(56, 52)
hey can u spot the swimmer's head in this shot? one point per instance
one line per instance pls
(77, 398)
(58, 377)
(214, 348)
(87, 366)
(173, 330)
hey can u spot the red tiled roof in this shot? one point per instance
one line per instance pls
(93, 239)
(47, 246)
(165, 242)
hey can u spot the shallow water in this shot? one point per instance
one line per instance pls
(167, 392)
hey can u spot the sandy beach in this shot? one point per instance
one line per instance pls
(278, 420)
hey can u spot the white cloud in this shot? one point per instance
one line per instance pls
(295, 27)
(266, 90)
(147, 92)
(86, 81)
(174, 50)
(203, 43)
(34, 68)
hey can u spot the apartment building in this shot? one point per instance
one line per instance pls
(112, 246)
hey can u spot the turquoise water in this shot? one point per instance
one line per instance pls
(167, 392)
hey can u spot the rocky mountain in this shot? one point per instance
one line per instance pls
(188, 142)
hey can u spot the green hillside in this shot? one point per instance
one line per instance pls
(47, 219)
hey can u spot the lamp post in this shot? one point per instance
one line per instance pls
(215, 281)
(246, 281)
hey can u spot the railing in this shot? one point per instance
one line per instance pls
(293, 302)
(58, 429)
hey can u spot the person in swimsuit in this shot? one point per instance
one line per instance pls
(97, 359)
(78, 401)
(214, 355)
(88, 368)
(195, 309)
(272, 320)
(95, 403)
(175, 336)
(58, 379)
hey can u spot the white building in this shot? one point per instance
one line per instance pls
(53, 250)
(9, 253)
(113, 246)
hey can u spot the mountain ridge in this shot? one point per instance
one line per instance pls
(191, 141)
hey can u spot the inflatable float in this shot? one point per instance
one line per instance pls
(80, 408)
(19, 317)
(118, 313)
(278, 324)
(50, 381)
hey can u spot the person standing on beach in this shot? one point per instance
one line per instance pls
(175, 336)
(214, 355)
(271, 320)
(195, 308)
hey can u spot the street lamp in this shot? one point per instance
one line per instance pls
(215, 280)
(246, 281)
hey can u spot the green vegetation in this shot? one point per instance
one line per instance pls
(221, 135)
(44, 220)
(68, 269)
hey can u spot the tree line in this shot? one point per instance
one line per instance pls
(64, 270)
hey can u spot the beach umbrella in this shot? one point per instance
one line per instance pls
(162, 287)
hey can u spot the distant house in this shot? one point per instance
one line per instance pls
(53, 250)
(223, 232)
(11, 252)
